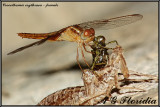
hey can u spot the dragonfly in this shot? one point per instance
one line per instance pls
(82, 33)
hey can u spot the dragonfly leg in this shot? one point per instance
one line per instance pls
(85, 48)
(84, 56)
(77, 57)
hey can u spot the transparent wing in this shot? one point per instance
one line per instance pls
(105, 24)
(27, 46)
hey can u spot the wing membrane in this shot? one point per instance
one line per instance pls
(105, 24)
(27, 46)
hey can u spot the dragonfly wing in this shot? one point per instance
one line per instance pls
(105, 24)
(27, 46)
(53, 36)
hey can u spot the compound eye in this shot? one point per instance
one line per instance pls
(92, 31)
(87, 33)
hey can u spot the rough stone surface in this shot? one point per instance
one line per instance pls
(29, 76)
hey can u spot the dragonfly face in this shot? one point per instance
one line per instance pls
(88, 35)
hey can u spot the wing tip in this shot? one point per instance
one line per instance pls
(139, 15)
(10, 53)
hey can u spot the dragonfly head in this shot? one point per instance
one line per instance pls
(88, 34)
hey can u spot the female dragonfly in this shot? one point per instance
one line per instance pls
(82, 33)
